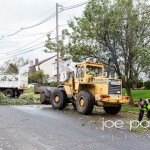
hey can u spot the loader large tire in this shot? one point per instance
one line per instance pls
(112, 110)
(58, 99)
(85, 102)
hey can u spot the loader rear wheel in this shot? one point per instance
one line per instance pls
(58, 99)
(112, 110)
(85, 102)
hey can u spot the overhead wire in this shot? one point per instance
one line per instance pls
(20, 50)
(32, 26)
(28, 35)
(75, 6)
(47, 33)
(45, 20)
(24, 52)
(31, 42)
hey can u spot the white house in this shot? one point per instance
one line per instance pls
(49, 67)
(65, 67)
(45, 65)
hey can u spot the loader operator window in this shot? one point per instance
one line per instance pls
(78, 72)
(93, 70)
(82, 72)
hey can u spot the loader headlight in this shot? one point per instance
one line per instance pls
(115, 82)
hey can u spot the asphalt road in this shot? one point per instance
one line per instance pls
(41, 128)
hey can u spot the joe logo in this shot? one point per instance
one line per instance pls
(133, 124)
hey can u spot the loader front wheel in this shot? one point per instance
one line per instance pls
(85, 102)
(112, 110)
(58, 99)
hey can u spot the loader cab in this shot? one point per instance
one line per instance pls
(93, 70)
(84, 71)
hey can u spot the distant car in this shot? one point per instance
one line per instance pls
(32, 85)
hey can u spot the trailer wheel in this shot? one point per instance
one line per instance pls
(112, 110)
(9, 93)
(85, 102)
(58, 99)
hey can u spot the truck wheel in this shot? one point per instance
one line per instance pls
(85, 102)
(112, 110)
(17, 93)
(58, 99)
(9, 93)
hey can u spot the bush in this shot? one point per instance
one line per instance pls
(53, 84)
(139, 84)
(147, 84)
(38, 77)
(2, 96)
(134, 85)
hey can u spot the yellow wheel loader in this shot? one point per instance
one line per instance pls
(88, 87)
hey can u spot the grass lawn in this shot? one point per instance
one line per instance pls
(128, 108)
(137, 94)
(29, 90)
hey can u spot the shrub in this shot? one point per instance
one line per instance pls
(147, 84)
(2, 96)
(53, 84)
(38, 77)
(134, 85)
(139, 84)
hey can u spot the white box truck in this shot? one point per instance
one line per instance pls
(13, 85)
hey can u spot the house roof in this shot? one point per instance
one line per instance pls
(41, 62)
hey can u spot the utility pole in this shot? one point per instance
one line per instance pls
(57, 38)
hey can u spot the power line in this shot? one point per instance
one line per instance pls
(31, 42)
(20, 53)
(7, 29)
(24, 35)
(32, 26)
(21, 48)
(28, 35)
(11, 53)
(45, 20)
(74, 6)
(24, 52)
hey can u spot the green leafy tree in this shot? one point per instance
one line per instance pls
(12, 66)
(12, 69)
(38, 77)
(116, 29)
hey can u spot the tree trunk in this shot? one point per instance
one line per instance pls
(129, 93)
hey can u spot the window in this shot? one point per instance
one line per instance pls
(78, 72)
(94, 70)
(82, 72)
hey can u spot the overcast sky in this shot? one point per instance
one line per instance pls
(17, 14)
